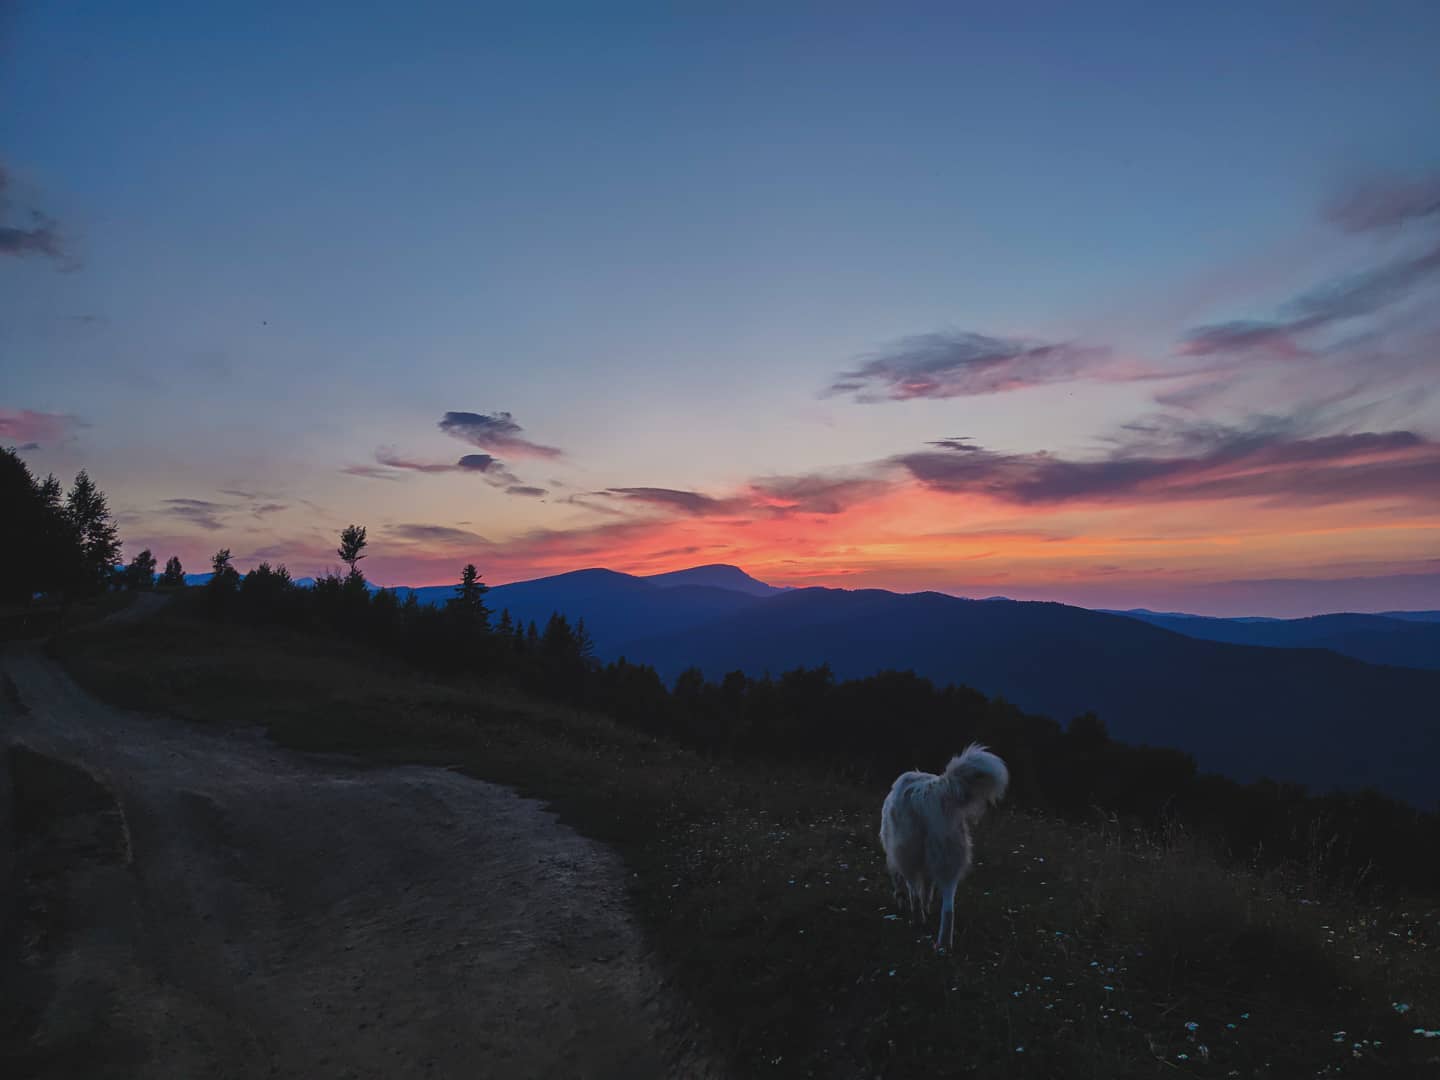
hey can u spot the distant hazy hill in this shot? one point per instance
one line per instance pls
(618, 607)
(718, 576)
(1407, 638)
(1295, 714)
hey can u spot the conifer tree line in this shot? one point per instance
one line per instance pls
(460, 636)
(54, 542)
(64, 543)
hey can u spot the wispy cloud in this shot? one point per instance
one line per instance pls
(1207, 463)
(35, 429)
(39, 235)
(1241, 336)
(497, 432)
(684, 502)
(371, 472)
(491, 468)
(1385, 202)
(391, 465)
(1409, 208)
(966, 364)
(392, 460)
(821, 492)
(1336, 322)
(828, 492)
(436, 534)
(213, 515)
(207, 515)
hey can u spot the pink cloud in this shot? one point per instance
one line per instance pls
(32, 429)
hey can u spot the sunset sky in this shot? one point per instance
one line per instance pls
(1111, 304)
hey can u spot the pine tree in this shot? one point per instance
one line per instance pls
(22, 508)
(507, 625)
(89, 515)
(557, 641)
(58, 556)
(470, 595)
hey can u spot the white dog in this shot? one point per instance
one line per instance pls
(925, 829)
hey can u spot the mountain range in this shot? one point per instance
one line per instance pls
(1258, 706)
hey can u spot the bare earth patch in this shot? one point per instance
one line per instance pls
(204, 903)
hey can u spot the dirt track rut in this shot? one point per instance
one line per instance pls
(243, 911)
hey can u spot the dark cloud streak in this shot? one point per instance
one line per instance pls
(200, 512)
(1384, 203)
(1208, 463)
(494, 431)
(965, 364)
(41, 237)
(692, 503)
(390, 465)
(431, 534)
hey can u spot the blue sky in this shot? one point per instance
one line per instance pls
(657, 237)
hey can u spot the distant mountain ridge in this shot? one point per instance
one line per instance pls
(619, 607)
(717, 576)
(1406, 638)
(1302, 715)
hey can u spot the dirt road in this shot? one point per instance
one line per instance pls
(192, 903)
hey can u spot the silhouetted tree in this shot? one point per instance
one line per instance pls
(224, 577)
(470, 595)
(140, 574)
(268, 595)
(59, 551)
(89, 515)
(1087, 733)
(385, 617)
(174, 575)
(327, 598)
(35, 541)
(558, 642)
(352, 543)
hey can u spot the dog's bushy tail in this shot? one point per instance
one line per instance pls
(979, 778)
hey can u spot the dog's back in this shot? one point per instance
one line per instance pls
(902, 833)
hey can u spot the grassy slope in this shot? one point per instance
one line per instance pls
(1080, 952)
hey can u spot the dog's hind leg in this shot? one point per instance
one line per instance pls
(910, 900)
(922, 899)
(946, 937)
